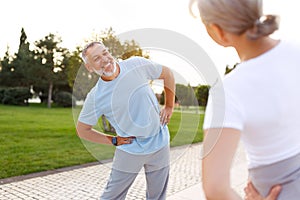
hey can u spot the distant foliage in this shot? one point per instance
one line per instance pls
(15, 96)
(64, 99)
(229, 69)
(185, 95)
(2, 90)
(191, 96)
(202, 92)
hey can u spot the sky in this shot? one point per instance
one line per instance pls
(74, 21)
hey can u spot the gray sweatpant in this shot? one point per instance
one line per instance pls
(127, 166)
(285, 173)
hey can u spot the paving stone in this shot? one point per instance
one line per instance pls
(88, 182)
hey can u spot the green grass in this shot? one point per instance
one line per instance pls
(36, 138)
(186, 128)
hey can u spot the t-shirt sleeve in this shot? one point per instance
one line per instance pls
(223, 109)
(151, 69)
(88, 113)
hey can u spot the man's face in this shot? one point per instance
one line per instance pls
(99, 60)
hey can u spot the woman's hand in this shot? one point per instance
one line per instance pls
(252, 193)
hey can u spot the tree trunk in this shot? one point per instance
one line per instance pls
(50, 94)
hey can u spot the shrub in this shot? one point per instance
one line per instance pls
(2, 90)
(64, 99)
(16, 96)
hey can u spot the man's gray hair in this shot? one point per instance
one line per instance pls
(91, 44)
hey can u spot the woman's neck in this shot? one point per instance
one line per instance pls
(248, 49)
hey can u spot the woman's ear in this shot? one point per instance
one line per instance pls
(217, 34)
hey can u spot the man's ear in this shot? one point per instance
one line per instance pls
(220, 36)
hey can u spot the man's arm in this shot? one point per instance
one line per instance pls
(169, 87)
(86, 132)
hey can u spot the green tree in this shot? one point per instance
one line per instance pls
(112, 42)
(50, 71)
(16, 69)
(190, 99)
(202, 94)
(79, 79)
(181, 93)
(185, 95)
(119, 50)
(228, 69)
(131, 48)
(73, 66)
(6, 69)
(23, 63)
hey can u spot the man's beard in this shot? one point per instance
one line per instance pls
(109, 74)
(106, 74)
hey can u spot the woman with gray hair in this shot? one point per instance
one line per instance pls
(259, 105)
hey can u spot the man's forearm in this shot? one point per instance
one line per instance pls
(169, 87)
(169, 97)
(96, 137)
(87, 133)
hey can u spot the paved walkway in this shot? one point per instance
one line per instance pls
(87, 182)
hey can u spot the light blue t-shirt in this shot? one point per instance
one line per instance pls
(130, 105)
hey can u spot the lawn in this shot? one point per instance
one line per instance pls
(36, 138)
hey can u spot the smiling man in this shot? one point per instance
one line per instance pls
(124, 96)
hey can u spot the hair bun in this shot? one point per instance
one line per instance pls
(263, 26)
